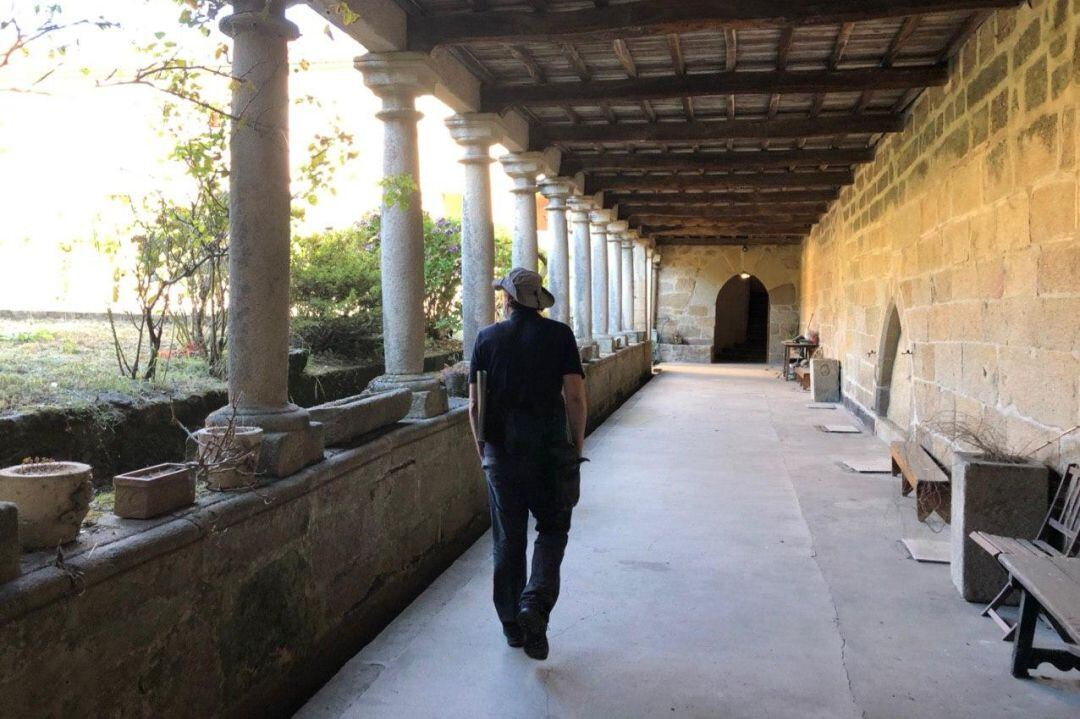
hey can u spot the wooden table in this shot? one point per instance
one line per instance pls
(796, 350)
(1049, 586)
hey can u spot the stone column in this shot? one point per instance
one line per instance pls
(654, 318)
(628, 240)
(556, 190)
(476, 133)
(398, 78)
(524, 168)
(616, 230)
(641, 285)
(598, 222)
(580, 207)
(259, 232)
(648, 288)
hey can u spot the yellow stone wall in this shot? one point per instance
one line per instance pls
(967, 221)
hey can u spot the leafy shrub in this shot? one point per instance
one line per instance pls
(358, 337)
(335, 274)
(442, 276)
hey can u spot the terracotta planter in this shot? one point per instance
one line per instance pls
(233, 463)
(53, 499)
(153, 491)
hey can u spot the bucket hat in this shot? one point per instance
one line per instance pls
(526, 288)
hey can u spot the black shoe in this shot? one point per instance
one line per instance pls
(535, 625)
(515, 635)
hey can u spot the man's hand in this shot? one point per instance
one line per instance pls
(576, 410)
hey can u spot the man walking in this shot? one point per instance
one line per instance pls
(528, 364)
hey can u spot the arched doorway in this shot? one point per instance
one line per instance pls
(892, 397)
(741, 333)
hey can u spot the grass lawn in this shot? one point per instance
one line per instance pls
(72, 363)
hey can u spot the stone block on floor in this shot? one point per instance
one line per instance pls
(825, 380)
(1005, 499)
(286, 453)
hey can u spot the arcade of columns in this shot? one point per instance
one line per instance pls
(604, 280)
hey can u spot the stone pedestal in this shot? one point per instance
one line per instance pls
(476, 133)
(523, 168)
(351, 417)
(589, 351)
(259, 230)
(1006, 499)
(825, 380)
(429, 398)
(557, 190)
(606, 344)
(10, 549)
(580, 207)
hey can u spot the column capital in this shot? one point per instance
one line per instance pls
(523, 168)
(601, 218)
(246, 19)
(404, 75)
(476, 132)
(630, 238)
(580, 207)
(556, 190)
(656, 258)
(617, 229)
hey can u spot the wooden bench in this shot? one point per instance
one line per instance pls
(919, 472)
(1059, 536)
(1049, 586)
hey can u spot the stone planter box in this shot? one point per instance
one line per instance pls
(53, 499)
(1005, 499)
(154, 491)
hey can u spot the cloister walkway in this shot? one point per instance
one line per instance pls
(721, 564)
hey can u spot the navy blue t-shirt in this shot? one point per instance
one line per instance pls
(526, 358)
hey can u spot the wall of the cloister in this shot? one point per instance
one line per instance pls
(967, 222)
(691, 277)
(245, 603)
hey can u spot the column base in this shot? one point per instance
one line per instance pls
(605, 344)
(629, 337)
(429, 396)
(291, 441)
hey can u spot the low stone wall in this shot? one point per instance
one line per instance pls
(245, 603)
(610, 380)
(701, 353)
(119, 434)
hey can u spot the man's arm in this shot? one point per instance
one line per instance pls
(576, 409)
(474, 418)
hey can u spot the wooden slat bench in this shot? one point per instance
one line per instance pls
(1049, 586)
(919, 472)
(1059, 536)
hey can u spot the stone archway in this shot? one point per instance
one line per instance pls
(892, 380)
(741, 330)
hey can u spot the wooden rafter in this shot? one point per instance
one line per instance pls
(595, 183)
(703, 131)
(577, 62)
(661, 17)
(658, 198)
(718, 161)
(708, 216)
(498, 99)
(626, 58)
(725, 228)
(525, 58)
(714, 209)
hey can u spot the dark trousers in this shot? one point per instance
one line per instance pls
(518, 486)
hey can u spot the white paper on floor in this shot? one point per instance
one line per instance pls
(820, 405)
(928, 550)
(869, 466)
(840, 429)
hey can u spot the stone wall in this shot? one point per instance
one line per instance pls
(692, 276)
(245, 603)
(967, 224)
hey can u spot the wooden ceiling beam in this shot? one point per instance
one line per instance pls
(705, 131)
(497, 99)
(718, 161)
(722, 212)
(654, 198)
(661, 17)
(673, 241)
(729, 229)
(793, 180)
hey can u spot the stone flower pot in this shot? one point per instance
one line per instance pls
(153, 491)
(997, 497)
(53, 499)
(229, 462)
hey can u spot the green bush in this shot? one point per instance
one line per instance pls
(335, 274)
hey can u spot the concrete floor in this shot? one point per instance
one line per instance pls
(721, 564)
